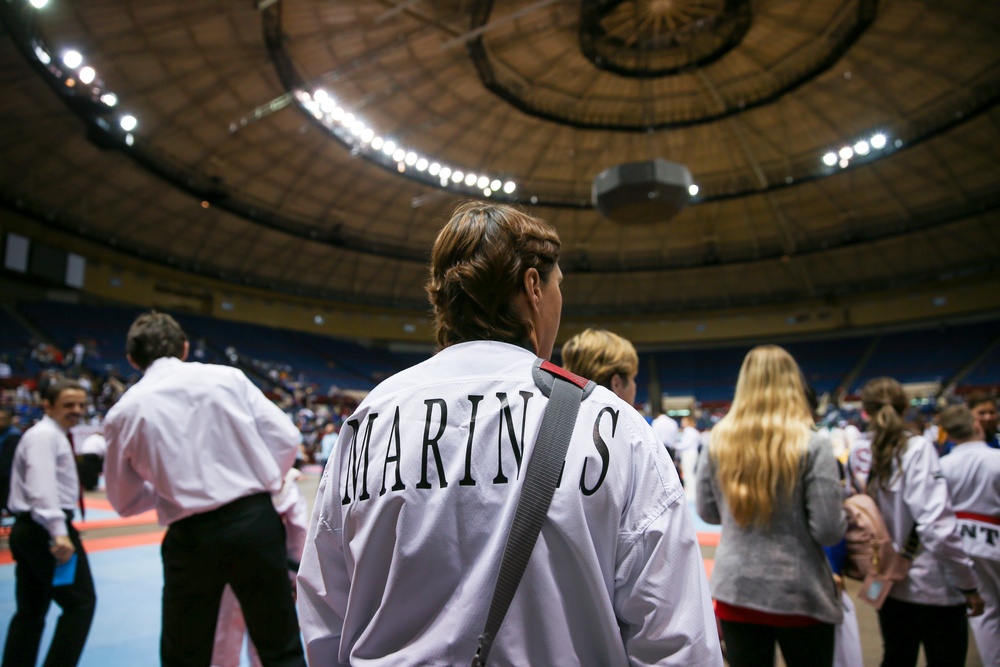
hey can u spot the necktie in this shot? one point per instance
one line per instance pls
(79, 486)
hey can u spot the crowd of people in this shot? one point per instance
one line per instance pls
(421, 508)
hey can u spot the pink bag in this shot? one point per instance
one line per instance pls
(869, 545)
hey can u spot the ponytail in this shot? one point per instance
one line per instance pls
(885, 402)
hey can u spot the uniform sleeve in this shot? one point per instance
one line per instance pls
(127, 491)
(275, 428)
(925, 492)
(41, 485)
(824, 495)
(661, 590)
(708, 508)
(323, 581)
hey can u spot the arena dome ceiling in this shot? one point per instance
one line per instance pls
(261, 153)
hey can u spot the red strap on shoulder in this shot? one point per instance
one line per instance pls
(564, 374)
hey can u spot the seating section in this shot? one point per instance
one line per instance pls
(928, 355)
(275, 357)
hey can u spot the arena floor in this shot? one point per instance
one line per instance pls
(125, 561)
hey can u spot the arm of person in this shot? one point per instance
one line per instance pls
(823, 494)
(275, 428)
(707, 506)
(925, 492)
(41, 484)
(128, 492)
(661, 597)
(323, 582)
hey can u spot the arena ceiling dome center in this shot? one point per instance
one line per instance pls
(314, 147)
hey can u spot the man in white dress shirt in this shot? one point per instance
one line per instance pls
(415, 504)
(973, 473)
(205, 448)
(44, 492)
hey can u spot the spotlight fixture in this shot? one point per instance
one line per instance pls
(862, 147)
(109, 99)
(878, 141)
(846, 153)
(72, 59)
(87, 75)
(128, 123)
(830, 159)
(693, 189)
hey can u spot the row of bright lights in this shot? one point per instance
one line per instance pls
(86, 75)
(863, 147)
(323, 107)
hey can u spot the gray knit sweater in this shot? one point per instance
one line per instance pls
(780, 568)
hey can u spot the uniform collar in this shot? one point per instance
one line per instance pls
(161, 365)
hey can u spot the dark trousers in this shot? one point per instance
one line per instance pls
(752, 645)
(241, 544)
(34, 592)
(944, 632)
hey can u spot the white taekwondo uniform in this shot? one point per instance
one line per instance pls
(940, 570)
(414, 508)
(973, 473)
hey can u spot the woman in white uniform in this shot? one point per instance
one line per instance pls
(902, 472)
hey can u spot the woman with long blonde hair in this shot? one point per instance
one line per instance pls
(902, 472)
(771, 480)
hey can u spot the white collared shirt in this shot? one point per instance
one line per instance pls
(190, 437)
(44, 480)
(414, 509)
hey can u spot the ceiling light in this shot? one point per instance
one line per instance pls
(337, 113)
(495, 185)
(377, 142)
(367, 136)
(398, 155)
(861, 148)
(357, 127)
(878, 141)
(348, 120)
(38, 4)
(830, 159)
(411, 158)
(434, 169)
(109, 99)
(421, 164)
(129, 139)
(128, 123)
(692, 189)
(321, 95)
(846, 153)
(43, 55)
(327, 105)
(389, 147)
(445, 173)
(844, 163)
(483, 182)
(87, 74)
(487, 192)
(457, 176)
(470, 180)
(72, 59)
(508, 187)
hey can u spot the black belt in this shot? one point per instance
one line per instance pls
(27, 515)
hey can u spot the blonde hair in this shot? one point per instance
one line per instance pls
(600, 355)
(758, 445)
(884, 400)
